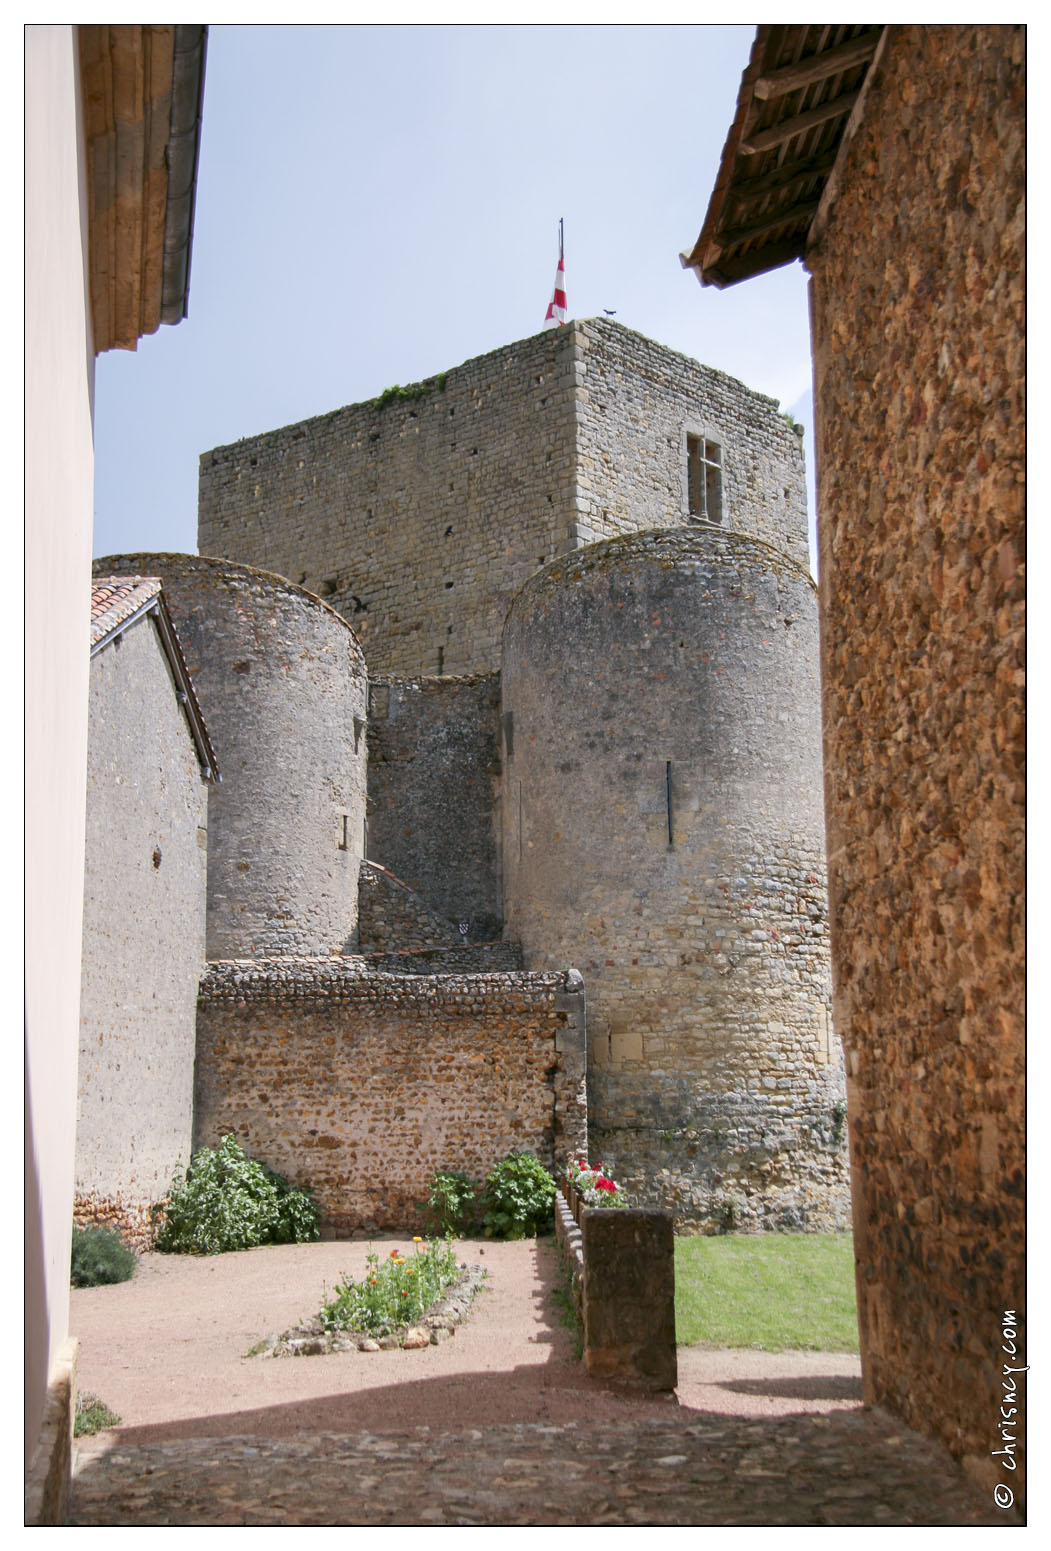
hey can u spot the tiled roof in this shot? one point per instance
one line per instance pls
(115, 599)
(118, 601)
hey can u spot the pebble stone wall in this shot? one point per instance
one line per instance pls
(918, 306)
(362, 1085)
(281, 683)
(434, 767)
(419, 515)
(715, 1086)
(144, 887)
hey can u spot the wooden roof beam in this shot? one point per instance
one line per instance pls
(777, 134)
(805, 72)
(781, 179)
(736, 235)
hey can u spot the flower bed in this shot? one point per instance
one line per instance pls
(401, 1301)
(394, 1292)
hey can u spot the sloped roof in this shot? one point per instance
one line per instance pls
(796, 98)
(117, 603)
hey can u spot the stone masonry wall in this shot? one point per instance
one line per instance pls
(636, 405)
(281, 682)
(918, 300)
(417, 518)
(686, 656)
(434, 765)
(392, 918)
(418, 515)
(144, 925)
(362, 1085)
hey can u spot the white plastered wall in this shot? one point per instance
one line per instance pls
(58, 491)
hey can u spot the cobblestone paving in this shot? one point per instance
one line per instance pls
(845, 1468)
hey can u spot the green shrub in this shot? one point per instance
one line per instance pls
(450, 1200)
(99, 1257)
(394, 1292)
(228, 1201)
(91, 1416)
(518, 1198)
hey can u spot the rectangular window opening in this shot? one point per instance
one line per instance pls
(704, 479)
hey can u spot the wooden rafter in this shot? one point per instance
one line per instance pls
(806, 72)
(794, 216)
(787, 129)
(782, 180)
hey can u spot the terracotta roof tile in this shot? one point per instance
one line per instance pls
(114, 599)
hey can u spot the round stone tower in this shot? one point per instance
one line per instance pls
(282, 685)
(663, 833)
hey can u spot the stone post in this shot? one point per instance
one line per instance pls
(629, 1296)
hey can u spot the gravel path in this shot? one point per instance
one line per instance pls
(166, 1352)
(493, 1418)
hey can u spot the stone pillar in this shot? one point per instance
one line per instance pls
(629, 1296)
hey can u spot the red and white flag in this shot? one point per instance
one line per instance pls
(556, 309)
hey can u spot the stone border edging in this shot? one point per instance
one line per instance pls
(438, 1324)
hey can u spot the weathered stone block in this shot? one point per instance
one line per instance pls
(629, 1296)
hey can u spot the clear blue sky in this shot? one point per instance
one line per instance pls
(377, 204)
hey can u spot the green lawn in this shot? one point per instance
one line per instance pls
(767, 1290)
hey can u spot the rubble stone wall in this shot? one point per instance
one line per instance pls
(362, 1085)
(635, 408)
(144, 931)
(434, 767)
(918, 299)
(416, 516)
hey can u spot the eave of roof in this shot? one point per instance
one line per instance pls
(142, 90)
(797, 95)
(117, 603)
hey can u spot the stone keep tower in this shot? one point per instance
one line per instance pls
(420, 514)
(284, 682)
(639, 522)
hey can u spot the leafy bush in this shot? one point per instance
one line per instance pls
(518, 1198)
(99, 1258)
(228, 1201)
(91, 1416)
(450, 1200)
(394, 1292)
